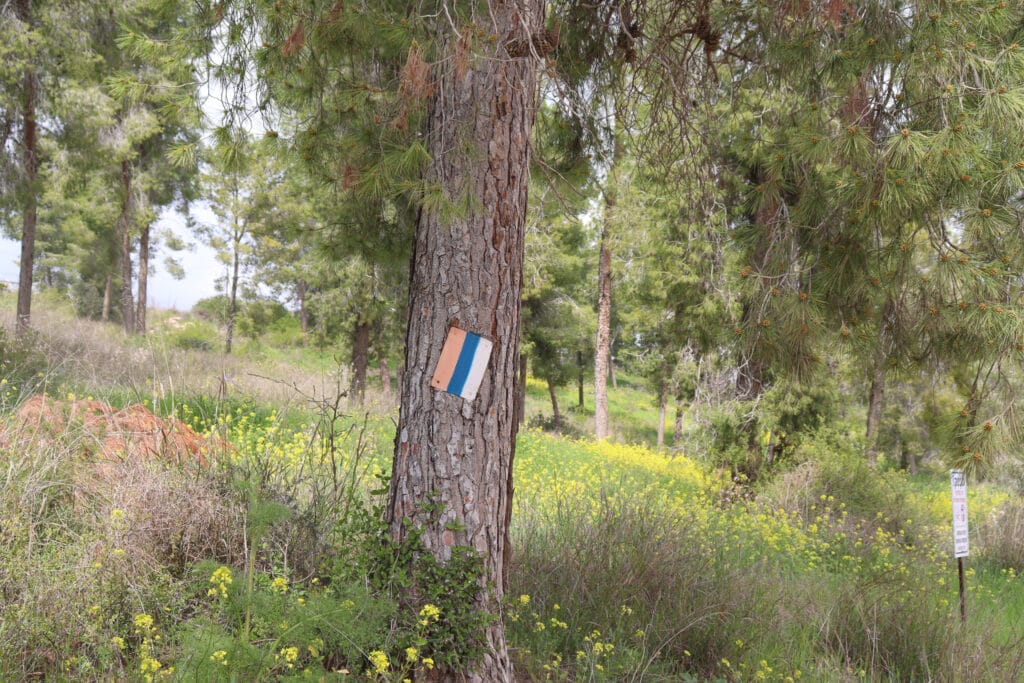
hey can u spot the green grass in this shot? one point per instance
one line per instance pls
(632, 410)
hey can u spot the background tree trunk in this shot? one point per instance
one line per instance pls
(360, 361)
(876, 399)
(579, 378)
(603, 354)
(30, 166)
(233, 293)
(556, 417)
(521, 389)
(124, 229)
(677, 426)
(303, 313)
(385, 377)
(662, 407)
(452, 473)
(140, 312)
(108, 293)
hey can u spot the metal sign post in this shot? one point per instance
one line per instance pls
(958, 483)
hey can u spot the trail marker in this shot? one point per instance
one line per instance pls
(463, 361)
(961, 546)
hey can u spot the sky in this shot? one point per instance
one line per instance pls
(200, 264)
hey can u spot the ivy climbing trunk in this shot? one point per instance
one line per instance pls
(29, 167)
(452, 470)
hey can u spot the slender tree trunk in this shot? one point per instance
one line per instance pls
(611, 368)
(360, 361)
(385, 377)
(579, 378)
(108, 292)
(140, 313)
(677, 426)
(662, 408)
(303, 313)
(452, 473)
(124, 229)
(603, 352)
(909, 457)
(233, 293)
(556, 417)
(876, 398)
(30, 166)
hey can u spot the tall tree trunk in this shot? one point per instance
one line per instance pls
(556, 417)
(30, 166)
(360, 360)
(233, 292)
(303, 313)
(876, 398)
(108, 292)
(124, 229)
(452, 473)
(603, 352)
(579, 378)
(140, 313)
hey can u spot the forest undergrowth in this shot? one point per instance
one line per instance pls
(266, 559)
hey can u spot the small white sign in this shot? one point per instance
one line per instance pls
(958, 481)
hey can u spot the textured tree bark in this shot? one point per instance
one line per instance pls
(124, 229)
(360, 360)
(108, 293)
(556, 418)
(604, 339)
(30, 166)
(452, 471)
(140, 311)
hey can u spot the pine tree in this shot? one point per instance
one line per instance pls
(883, 194)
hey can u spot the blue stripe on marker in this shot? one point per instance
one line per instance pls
(464, 364)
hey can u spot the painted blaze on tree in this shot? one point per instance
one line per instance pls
(453, 458)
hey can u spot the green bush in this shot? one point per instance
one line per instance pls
(195, 335)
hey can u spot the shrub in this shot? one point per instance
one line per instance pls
(195, 335)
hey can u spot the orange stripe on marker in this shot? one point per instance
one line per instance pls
(449, 358)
